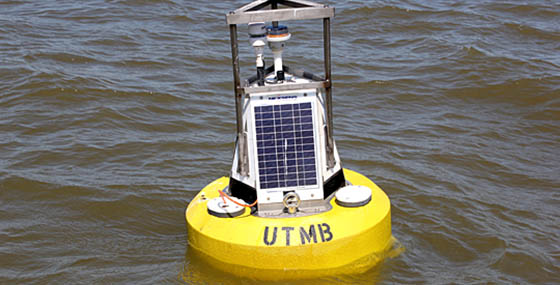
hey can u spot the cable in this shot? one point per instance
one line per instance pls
(222, 195)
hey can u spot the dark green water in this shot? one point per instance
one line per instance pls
(113, 114)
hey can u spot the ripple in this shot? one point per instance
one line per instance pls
(115, 113)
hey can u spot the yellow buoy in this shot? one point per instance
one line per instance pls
(288, 208)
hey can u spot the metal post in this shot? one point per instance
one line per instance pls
(274, 6)
(328, 89)
(242, 157)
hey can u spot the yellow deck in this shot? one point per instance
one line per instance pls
(341, 240)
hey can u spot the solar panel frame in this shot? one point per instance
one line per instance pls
(286, 151)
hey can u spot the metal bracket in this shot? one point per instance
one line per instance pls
(283, 87)
(300, 10)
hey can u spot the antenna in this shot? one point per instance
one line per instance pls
(257, 38)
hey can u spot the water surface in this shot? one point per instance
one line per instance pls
(113, 114)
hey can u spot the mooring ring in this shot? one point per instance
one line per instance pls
(291, 201)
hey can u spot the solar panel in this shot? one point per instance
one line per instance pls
(285, 145)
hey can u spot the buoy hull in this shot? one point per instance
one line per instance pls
(342, 240)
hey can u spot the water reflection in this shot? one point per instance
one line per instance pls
(201, 269)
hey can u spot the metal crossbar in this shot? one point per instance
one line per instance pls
(299, 10)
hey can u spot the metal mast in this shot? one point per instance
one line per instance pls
(297, 10)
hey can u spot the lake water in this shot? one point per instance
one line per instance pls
(113, 114)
